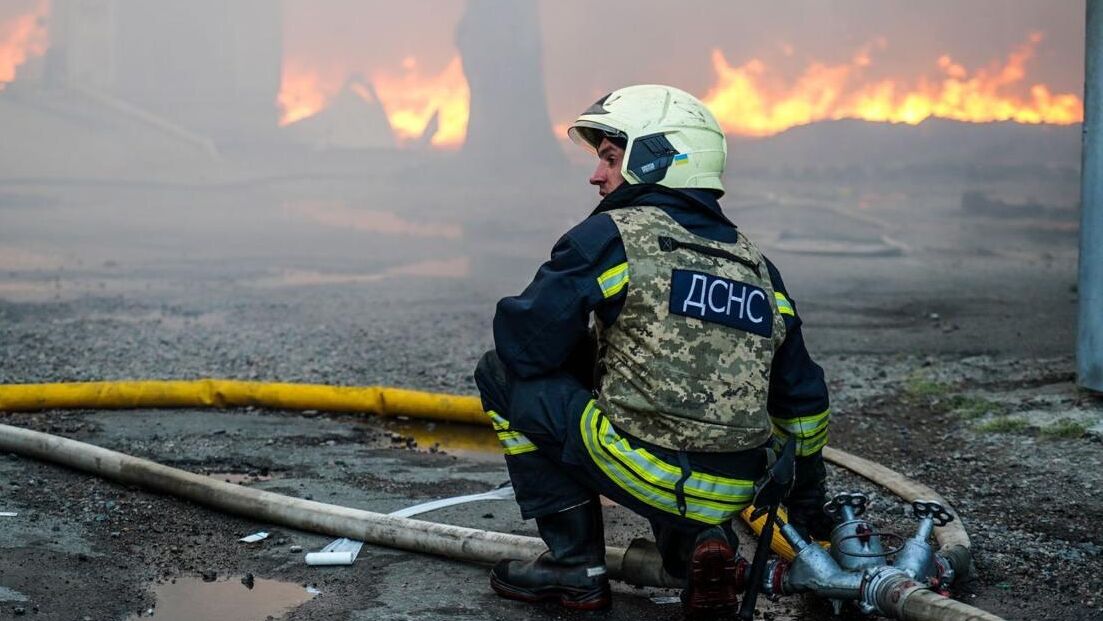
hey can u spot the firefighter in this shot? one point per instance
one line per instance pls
(655, 359)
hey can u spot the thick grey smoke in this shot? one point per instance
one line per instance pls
(148, 134)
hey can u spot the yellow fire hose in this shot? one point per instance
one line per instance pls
(376, 400)
(221, 393)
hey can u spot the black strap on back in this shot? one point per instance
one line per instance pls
(669, 244)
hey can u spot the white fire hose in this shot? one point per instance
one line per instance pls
(638, 564)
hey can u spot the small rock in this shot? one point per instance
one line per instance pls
(295, 549)
(488, 516)
(248, 581)
(209, 575)
(19, 611)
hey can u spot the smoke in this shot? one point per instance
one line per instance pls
(156, 130)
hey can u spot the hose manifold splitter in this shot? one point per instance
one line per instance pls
(858, 567)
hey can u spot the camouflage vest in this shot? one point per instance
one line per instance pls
(686, 365)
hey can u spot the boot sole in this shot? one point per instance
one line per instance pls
(574, 599)
(712, 580)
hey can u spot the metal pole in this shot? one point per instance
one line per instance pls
(1089, 350)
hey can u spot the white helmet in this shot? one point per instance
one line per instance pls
(670, 137)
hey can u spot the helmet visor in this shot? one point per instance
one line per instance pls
(589, 134)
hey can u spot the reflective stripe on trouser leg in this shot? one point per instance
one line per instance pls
(541, 485)
(513, 442)
(708, 498)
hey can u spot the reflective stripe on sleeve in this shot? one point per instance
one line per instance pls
(783, 305)
(613, 280)
(710, 499)
(810, 431)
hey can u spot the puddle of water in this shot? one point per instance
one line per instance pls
(239, 477)
(466, 441)
(191, 598)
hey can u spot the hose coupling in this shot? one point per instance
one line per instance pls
(884, 591)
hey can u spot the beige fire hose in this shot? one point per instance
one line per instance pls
(638, 564)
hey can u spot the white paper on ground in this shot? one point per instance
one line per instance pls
(330, 558)
(255, 537)
(344, 544)
(8, 514)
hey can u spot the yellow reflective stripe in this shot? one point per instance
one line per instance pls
(662, 500)
(613, 280)
(783, 305)
(801, 432)
(661, 474)
(805, 446)
(805, 426)
(496, 420)
(696, 509)
(811, 447)
(513, 442)
(521, 448)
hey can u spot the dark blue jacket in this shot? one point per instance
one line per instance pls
(537, 331)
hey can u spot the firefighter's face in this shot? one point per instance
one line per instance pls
(607, 175)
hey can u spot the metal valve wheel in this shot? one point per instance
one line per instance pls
(855, 500)
(932, 509)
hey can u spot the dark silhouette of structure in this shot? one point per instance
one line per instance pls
(502, 58)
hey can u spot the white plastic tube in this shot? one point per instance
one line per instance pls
(330, 558)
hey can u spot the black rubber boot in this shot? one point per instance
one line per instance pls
(572, 571)
(711, 587)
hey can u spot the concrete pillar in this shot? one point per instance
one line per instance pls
(1089, 351)
(503, 61)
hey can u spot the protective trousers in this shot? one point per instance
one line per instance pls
(560, 451)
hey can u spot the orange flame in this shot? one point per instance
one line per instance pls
(21, 38)
(412, 99)
(746, 101)
(302, 93)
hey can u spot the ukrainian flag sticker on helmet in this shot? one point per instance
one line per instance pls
(681, 158)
